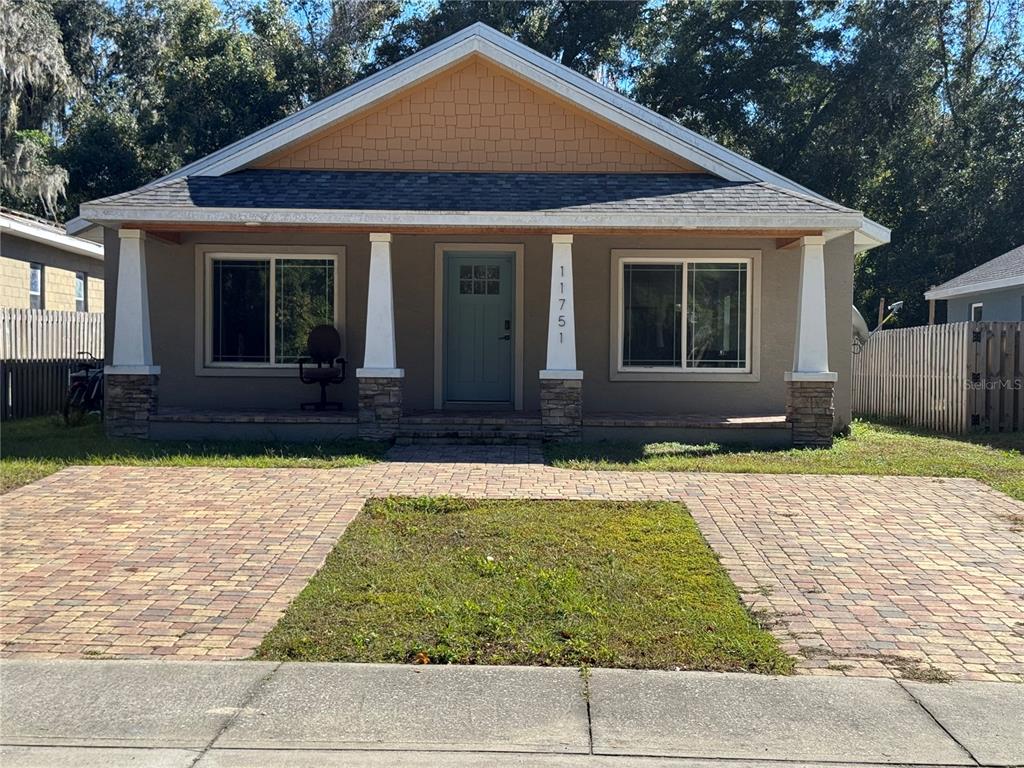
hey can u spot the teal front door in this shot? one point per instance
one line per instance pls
(479, 314)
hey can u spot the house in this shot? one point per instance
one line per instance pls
(41, 267)
(508, 249)
(992, 291)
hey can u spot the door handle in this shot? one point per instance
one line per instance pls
(506, 337)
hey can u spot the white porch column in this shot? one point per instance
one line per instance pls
(810, 357)
(133, 348)
(561, 354)
(379, 360)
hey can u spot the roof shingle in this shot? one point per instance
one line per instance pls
(473, 192)
(1006, 266)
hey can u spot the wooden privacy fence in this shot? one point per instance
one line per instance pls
(951, 378)
(33, 387)
(45, 334)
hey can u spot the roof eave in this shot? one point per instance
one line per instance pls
(568, 220)
(985, 286)
(47, 236)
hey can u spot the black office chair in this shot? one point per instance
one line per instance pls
(323, 348)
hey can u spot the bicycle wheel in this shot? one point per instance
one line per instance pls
(74, 403)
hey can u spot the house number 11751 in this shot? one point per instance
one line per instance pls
(561, 304)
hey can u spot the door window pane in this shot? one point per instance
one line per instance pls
(241, 311)
(716, 306)
(305, 299)
(652, 315)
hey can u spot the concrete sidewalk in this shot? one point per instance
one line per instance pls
(250, 714)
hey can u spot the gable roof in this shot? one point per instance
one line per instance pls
(479, 39)
(1005, 271)
(384, 198)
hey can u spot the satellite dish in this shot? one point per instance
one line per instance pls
(860, 328)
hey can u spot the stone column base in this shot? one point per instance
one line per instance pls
(129, 400)
(561, 408)
(810, 410)
(380, 407)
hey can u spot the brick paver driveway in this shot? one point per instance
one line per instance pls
(860, 575)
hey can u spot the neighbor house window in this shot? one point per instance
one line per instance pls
(976, 311)
(262, 307)
(686, 314)
(35, 286)
(81, 292)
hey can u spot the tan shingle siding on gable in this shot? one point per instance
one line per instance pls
(477, 118)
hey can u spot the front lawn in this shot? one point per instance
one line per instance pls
(870, 449)
(33, 448)
(524, 582)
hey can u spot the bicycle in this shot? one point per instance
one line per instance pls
(85, 388)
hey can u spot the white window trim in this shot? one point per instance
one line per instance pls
(980, 305)
(206, 253)
(620, 372)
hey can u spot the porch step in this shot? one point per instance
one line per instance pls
(469, 430)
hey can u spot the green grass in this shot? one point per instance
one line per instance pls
(870, 449)
(524, 582)
(33, 448)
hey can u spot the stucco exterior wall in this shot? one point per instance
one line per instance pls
(477, 117)
(1006, 306)
(172, 296)
(58, 276)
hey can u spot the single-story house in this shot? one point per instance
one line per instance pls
(992, 291)
(42, 267)
(509, 250)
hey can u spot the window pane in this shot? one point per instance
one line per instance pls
(35, 286)
(80, 291)
(241, 307)
(305, 299)
(716, 315)
(652, 315)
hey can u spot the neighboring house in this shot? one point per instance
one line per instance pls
(993, 291)
(488, 230)
(41, 267)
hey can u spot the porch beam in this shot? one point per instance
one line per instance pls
(133, 347)
(379, 360)
(810, 358)
(561, 351)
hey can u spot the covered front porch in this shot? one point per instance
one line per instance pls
(571, 353)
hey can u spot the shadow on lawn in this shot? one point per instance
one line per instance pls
(48, 439)
(868, 448)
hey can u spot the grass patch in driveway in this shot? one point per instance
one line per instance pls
(524, 582)
(870, 449)
(33, 448)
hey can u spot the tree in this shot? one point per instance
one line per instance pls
(36, 83)
(587, 37)
(338, 38)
